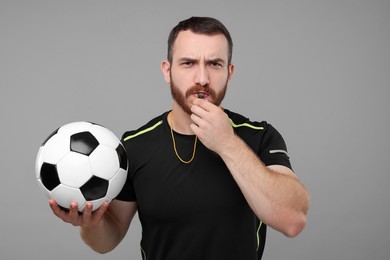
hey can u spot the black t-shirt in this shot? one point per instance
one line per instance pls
(196, 210)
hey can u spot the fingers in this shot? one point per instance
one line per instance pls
(87, 212)
(203, 108)
(92, 218)
(56, 209)
(210, 124)
(74, 217)
(203, 104)
(85, 219)
(101, 210)
(71, 216)
(200, 110)
(86, 216)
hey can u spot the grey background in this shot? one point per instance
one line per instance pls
(317, 70)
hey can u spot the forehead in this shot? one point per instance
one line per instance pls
(189, 44)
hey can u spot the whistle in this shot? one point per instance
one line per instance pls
(201, 95)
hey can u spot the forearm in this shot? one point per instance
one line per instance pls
(278, 199)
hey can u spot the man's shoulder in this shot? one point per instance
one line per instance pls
(240, 121)
(146, 128)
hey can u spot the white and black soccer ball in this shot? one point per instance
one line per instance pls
(81, 162)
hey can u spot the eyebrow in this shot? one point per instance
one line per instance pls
(218, 60)
(188, 59)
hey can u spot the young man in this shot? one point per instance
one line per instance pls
(206, 181)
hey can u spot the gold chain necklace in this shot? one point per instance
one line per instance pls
(174, 143)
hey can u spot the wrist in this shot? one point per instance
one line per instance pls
(232, 147)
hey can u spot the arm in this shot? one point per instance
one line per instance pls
(103, 229)
(274, 193)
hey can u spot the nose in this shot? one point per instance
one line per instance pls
(202, 76)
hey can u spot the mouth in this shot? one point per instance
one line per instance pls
(201, 95)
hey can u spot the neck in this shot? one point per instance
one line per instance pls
(180, 121)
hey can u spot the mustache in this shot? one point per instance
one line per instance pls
(199, 88)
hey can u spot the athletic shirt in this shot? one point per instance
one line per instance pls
(195, 211)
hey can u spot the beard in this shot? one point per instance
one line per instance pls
(181, 98)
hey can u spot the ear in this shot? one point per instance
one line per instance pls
(230, 71)
(166, 69)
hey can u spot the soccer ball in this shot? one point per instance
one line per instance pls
(81, 162)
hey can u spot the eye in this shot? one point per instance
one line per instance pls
(216, 65)
(187, 63)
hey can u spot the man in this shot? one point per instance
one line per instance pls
(206, 181)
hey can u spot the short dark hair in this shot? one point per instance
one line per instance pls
(200, 25)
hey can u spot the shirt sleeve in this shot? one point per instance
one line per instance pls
(273, 149)
(127, 193)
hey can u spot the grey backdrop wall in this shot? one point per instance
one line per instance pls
(317, 70)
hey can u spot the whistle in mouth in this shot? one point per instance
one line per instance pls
(201, 95)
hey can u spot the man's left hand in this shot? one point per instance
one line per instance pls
(211, 125)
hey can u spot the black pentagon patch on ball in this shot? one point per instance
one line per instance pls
(122, 156)
(83, 142)
(49, 176)
(95, 188)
